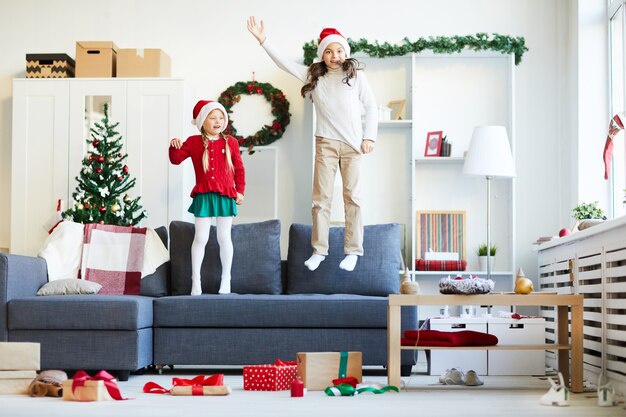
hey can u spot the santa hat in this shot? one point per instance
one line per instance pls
(331, 35)
(202, 109)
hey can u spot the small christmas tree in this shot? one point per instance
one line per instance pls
(101, 195)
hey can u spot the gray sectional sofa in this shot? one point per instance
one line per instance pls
(277, 307)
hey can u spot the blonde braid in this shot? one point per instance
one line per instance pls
(205, 155)
(229, 159)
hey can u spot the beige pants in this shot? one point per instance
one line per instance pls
(330, 154)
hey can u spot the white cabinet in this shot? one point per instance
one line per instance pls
(50, 124)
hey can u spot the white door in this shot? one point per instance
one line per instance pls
(155, 115)
(39, 160)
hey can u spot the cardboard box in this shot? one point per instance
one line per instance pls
(96, 59)
(441, 360)
(49, 66)
(269, 377)
(18, 356)
(318, 369)
(143, 63)
(522, 332)
(16, 382)
(92, 391)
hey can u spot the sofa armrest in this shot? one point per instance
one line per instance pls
(20, 276)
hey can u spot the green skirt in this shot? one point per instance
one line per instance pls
(212, 205)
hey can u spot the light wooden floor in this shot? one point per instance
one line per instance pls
(421, 397)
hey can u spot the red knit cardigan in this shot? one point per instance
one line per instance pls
(219, 178)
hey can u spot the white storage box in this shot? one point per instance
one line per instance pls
(517, 332)
(441, 360)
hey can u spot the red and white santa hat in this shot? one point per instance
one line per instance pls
(202, 109)
(328, 36)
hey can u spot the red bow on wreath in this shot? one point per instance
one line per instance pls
(252, 88)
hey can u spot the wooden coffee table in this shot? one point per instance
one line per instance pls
(564, 342)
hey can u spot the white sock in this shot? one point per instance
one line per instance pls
(196, 286)
(223, 228)
(225, 286)
(200, 239)
(348, 263)
(314, 261)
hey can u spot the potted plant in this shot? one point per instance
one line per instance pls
(587, 215)
(482, 256)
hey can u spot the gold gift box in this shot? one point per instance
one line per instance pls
(92, 391)
(318, 369)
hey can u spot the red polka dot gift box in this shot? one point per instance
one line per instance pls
(269, 377)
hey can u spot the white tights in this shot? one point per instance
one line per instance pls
(200, 239)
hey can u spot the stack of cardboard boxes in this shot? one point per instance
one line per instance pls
(96, 59)
(19, 363)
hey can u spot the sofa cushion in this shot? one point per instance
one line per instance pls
(376, 272)
(80, 312)
(269, 311)
(157, 284)
(256, 259)
(69, 286)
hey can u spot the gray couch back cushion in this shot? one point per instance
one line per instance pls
(157, 284)
(376, 272)
(256, 259)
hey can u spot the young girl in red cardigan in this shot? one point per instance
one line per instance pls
(220, 184)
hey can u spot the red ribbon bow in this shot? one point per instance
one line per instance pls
(282, 363)
(350, 380)
(196, 384)
(109, 382)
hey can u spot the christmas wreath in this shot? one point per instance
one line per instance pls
(280, 110)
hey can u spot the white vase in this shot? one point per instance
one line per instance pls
(482, 262)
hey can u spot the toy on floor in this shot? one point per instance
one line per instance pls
(557, 395)
(48, 384)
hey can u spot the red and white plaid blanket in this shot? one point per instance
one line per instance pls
(113, 257)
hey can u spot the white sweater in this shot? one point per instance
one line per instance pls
(338, 106)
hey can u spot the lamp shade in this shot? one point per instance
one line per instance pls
(489, 153)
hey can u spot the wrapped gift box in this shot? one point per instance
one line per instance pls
(92, 391)
(16, 382)
(49, 66)
(318, 369)
(18, 356)
(143, 63)
(96, 59)
(270, 377)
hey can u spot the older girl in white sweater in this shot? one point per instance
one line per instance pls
(339, 90)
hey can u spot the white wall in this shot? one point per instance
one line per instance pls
(211, 48)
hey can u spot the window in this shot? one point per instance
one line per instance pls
(617, 44)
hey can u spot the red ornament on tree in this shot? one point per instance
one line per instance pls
(95, 143)
(101, 158)
(125, 169)
(86, 206)
(120, 178)
(102, 209)
(98, 170)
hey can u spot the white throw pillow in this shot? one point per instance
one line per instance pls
(69, 286)
(62, 250)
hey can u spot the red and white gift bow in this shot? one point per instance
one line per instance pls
(197, 384)
(109, 382)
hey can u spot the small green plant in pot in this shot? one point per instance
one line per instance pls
(585, 211)
(482, 250)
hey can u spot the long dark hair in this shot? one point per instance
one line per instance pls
(318, 69)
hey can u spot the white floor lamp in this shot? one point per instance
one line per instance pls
(489, 156)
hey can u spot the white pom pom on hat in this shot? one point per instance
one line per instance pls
(202, 109)
(328, 36)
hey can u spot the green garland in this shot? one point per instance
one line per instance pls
(439, 45)
(280, 110)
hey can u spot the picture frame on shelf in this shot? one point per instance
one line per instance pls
(433, 143)
(397, 107)
(440, 231)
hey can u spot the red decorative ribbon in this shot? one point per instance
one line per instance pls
(350, 380)
(196, 384)
(282, 363)
(109, 382)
